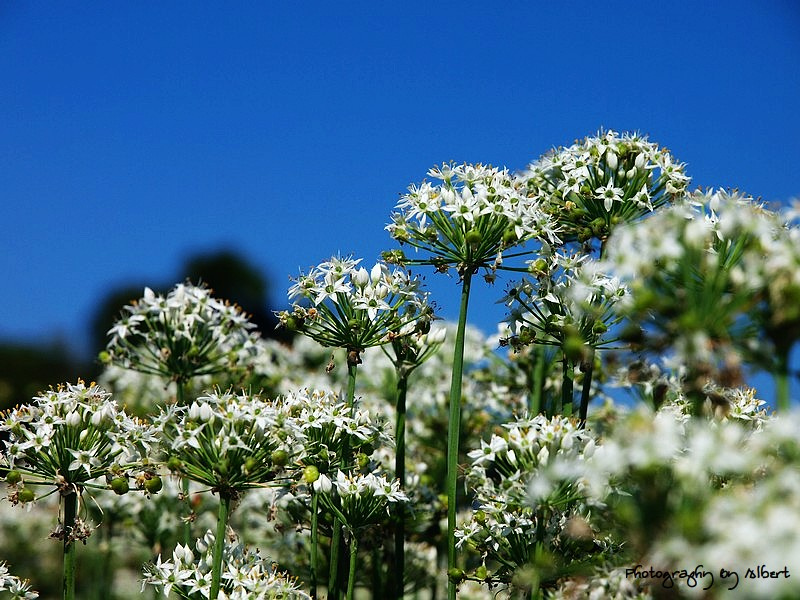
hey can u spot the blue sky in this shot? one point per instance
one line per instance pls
(135, 134)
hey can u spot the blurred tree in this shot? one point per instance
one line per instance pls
(27, 369)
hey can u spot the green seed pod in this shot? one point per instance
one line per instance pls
(509, 236)
(120, 485)
(310, 474)
(574, 348)
(13, 477)
(480, 517)
(280, 458)
(456, 575)
(474, 238)
(153, 485)
(250, 465)
(174, 464)
(482, 572)
(26, 495)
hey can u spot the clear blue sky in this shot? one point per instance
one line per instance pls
(135, 134)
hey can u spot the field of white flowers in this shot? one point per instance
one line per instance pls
(387, 454)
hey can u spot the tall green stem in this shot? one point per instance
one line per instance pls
(400, 473)
(351, 578)
(567, 387)
(180, 398)
(453, 431)
(314, 541)
(336, 537)
(537, 391)
(219, 543)
(70, 505)
(587, 385)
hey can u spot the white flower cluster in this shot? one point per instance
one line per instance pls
(569, 295)
(360, 499)
(714, 274)
(74, 434)
(715, 493)
(345, 306)
(470, 217)
(229, 441)
(325, 424)
(185, 334)
(593, 184)
(246, 574)
(505, 526)
(17, 588)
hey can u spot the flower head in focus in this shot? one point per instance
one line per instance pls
(603, 180)
(468, 219)
(185, 334)
(340, 304)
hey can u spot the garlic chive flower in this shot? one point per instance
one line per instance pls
(247, 574)
(505, 527)
(71, 435)
(468, 219)
(185, 334)
(711, 282)
(603, 180)
(229, 442)
(19, 589)
(571, 304)
(339, 304)
(360, 500)
(327, 425)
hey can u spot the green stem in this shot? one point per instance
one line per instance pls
(781, 378)
(453, 431)
(336, 537)
(70, 511)
(587, 385)
(180, 399)
(219, 544)
(400, 473)
(314, 541)
(351, 579)
(535, 402)
(567, 386)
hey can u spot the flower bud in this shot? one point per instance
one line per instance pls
(73, 418)
(360, 278)
(376, 274)
(611, 159)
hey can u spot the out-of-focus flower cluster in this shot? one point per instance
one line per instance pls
(697, 491)
(713, 282)
(505, 528)
(185, 334)
(246, 574)
(16, 587)
(570, 304)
